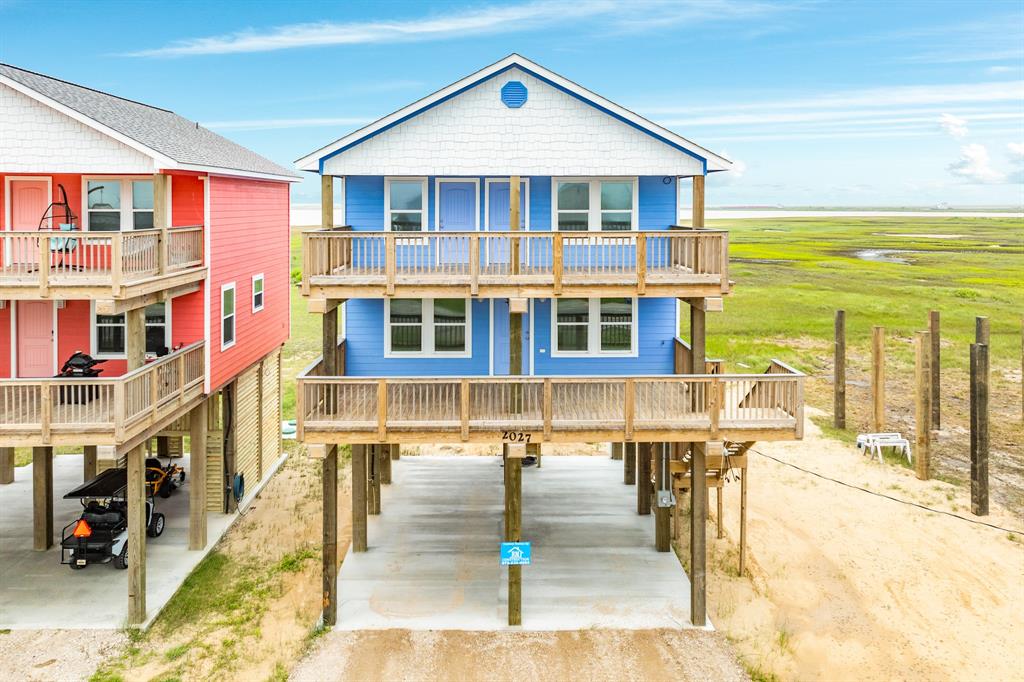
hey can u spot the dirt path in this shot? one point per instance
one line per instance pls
(847, 585)
(613, 655)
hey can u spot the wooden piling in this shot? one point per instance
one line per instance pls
(698, 540)
(839, 374)
(936, 338)
(90, 462)
(878, 379)
(513, 531)
(136, 535)
(629, 464)
(385, 464)
(373, 487)
(396, 451)
(198, 433)
(643, 479)
(616, 450)
(6, 466)
(922, 405)
(979, 429)
(42, 498)
(359, 486)
(330, 536)
(662, 515)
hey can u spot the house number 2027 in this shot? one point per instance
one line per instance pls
(515, 437)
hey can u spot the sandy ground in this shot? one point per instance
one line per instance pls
(39, 655)
(849, 586)
(613, 655)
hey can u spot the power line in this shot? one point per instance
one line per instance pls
(888, 497)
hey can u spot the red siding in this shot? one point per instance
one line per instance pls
(249, 235)
(186, 200)
(187, 319)
(5, 339)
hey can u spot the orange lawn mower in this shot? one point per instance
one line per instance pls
(163, 480)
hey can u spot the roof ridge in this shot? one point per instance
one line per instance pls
(85, 87)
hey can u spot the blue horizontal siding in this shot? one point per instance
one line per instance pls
(657, 320)
(364, 202)
(364, 345)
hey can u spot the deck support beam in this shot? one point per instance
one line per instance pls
(359, 497)
(616, 450)
(6, 466)
(698, 201)
(513, 527)
(662, 514)
(327, 202)
(698, 547)
(629, 463)
(643, 479)
(373, 479)
(330, 343)
(330, 536)
(135, 338)
(197, 419)
(136, 535)
(396, 451)
(90, 462)
(385, 464)
(42, 498)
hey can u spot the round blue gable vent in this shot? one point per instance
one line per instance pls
(513, 94)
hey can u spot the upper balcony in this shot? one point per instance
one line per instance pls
(102, 411)
(681, 262)
(99, 265)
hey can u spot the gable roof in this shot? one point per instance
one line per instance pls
(171, 140)
(712, 162)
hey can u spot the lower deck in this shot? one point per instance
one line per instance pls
(432, 560)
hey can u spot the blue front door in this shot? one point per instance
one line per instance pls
(457, 209)
(498, 221)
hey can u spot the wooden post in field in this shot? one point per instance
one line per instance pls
(933, 328)
(198, 432)
(979, 429)
(42, 498)
(643, 479)
(877, 379)
(662, 515)
(698, 548)
(629, 463)
(330, 536)
(616, 451)
(981, 330)
(136, 534)
(359, 498)
(326, 202)
(90, 462)
(513, 527)
(839, 377)
(6, 466)
(922, 406)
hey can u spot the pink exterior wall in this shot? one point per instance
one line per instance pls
(5, 341)
(249, 235)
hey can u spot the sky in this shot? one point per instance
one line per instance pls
(817, 103)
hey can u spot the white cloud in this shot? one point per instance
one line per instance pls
(734, 174)
(1016, 150)
(999, 68)
(494, 19)
(975, 166)
(954, 125)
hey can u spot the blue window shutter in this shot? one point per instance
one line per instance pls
(513, 94)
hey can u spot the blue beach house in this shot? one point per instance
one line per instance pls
(512, 261)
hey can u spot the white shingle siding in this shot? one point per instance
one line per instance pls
(474, 133)
(35, 138)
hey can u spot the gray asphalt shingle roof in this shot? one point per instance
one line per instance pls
(158, 129)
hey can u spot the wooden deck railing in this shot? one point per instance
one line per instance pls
(110, 260)
(102, 410)
(683, 360)
(652, 408)
(475, 260)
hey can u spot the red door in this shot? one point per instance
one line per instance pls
(29, 201)
(35, 339)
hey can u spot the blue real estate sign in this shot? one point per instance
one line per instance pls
(515, 554)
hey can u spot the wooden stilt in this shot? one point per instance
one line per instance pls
(385, 464)
(718, 512)
(698, 551)
(89, 462)
(396, 451)
(698, 201)
(6, 466)
(643, 479)
(373, 469)
(616, 450)
(743, 519)
(629, 464)
(42, 498)
(922, 407)
(979, 429)
(330, 536)
(327, 203)
(878, 379)
(198, 430)
(839, 375)
(662, 514)
(513, 532)
(136, 535)
(359, 487)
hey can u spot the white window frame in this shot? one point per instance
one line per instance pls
(263, 293)
(126, 210)
(424, 211)
(234, 316)
(594, 210)
(594, 332)
(94, 333)
(524, 219)
(427, 350)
